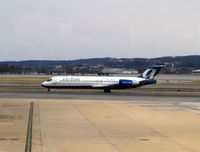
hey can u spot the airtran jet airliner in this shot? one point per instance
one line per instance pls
(104, 82)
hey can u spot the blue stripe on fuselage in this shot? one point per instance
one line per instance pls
(125, 83)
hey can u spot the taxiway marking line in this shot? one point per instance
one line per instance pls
(29, 129)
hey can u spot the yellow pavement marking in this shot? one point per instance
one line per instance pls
(8, 123)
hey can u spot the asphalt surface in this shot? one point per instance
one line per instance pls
(184, 88)
(98, 96)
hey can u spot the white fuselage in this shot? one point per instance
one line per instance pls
(94, 82)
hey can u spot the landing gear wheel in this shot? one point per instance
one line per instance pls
(107, 90)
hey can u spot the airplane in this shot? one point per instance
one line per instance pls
(104, 82)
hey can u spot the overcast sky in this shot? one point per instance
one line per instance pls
(74, 29)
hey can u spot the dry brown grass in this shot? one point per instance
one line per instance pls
(24, 79)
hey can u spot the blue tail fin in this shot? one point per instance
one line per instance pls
(152, 71)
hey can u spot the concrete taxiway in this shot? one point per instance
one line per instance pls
(102, 123)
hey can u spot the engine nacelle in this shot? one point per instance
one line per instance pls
(125, 83)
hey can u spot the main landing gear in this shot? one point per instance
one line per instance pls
(49, 89)
(107, 90)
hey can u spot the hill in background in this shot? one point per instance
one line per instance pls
(177, 64)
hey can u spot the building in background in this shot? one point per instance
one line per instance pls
(107, 71)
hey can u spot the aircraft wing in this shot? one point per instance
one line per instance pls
(103, 85)
(99, 86)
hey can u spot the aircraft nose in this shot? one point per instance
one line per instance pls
(44, 84)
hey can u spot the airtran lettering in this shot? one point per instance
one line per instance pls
(71, 79)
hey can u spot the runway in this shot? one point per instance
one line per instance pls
(167, 85)
(104, 123)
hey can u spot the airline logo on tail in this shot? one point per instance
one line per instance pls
(152, 71)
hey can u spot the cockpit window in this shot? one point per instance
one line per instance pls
(49, 80)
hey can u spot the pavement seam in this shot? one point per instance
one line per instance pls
(100, 132)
